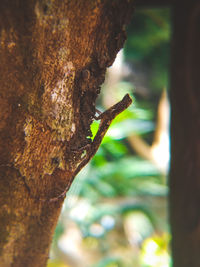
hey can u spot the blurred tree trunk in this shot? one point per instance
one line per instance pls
(53, 58)
(185, 134)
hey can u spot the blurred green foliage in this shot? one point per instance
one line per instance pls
(120, 197)
(148, 45)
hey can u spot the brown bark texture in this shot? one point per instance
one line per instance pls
(185, 135)
(53, 58)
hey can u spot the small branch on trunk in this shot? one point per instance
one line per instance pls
(106, 119)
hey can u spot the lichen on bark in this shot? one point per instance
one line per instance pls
(58, 105)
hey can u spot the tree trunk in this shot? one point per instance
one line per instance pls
(185, 135)
(53, 58)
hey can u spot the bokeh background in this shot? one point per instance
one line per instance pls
(115, 214)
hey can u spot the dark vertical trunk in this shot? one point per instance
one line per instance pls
(185, 134)
(53, 57)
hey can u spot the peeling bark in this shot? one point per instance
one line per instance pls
(54, 55)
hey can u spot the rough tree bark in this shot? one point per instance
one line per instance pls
(53, 58)
(185, 135)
